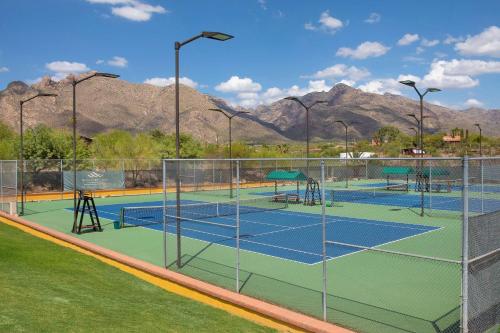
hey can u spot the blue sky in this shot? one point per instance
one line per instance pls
(281, 47)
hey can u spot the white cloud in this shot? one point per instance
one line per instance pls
(452, 40)
(390, 85)
(262, 4)
(133, 10)
(249, 93)
(99, 62)
(61, 69)
(118, 62)
(473, 103)
(4, 69)
(373, 18)
(309, 26)
(414, 59)
(439, 54)
(111, 2)
(429, 43)
(407, 39)
(487, 43)
(458, 74)
(419, 50)
(364, 50)
(163, 82)
(327, 23)
(469, 67)
(238, 85)
(382, 86)
(340, 71)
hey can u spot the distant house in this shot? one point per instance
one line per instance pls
(452, 139)
(411, 152)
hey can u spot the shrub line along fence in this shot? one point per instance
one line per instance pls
(364, 259)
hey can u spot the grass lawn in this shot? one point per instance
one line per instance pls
(48, 288)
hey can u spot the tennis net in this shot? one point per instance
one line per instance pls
(364, 193)
(147, 215)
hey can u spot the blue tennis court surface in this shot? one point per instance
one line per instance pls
(404, 199)
(487, 188)
(284, 234)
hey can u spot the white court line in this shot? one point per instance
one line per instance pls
(329, 221)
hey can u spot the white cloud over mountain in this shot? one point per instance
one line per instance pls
(61, 69)
(164, 81)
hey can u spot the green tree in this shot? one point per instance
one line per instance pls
(189, 147)
(8, 143)
(43, 143)
(387, 134)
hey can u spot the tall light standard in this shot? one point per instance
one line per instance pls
(416, 134)
(480, 139)
(421, 96)
(307, 108)
(230, 117)
(412, 115)
(21, 132)
(346, 150)
(75, 82)
(205, 34)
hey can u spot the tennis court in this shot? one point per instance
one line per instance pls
(269, 230)
(386, 268)
(378, 194)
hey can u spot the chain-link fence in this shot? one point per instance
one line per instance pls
(8, 186)
(376, 245)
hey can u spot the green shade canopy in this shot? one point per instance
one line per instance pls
(397, 171)
(286, 175)
(436, 171)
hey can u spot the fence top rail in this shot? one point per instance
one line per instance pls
(266, 159)
(485, 158)
(317, 159)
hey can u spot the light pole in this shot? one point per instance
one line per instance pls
(480, 139)
(412, 115)
(177, 45)
(346, 150)
(416, 134)
(230, 118)
(74, 83)
(307, 108)
(21, 154)
(421, 96)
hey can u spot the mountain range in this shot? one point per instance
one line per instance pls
(104, 104)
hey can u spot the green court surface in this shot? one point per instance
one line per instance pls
(369, 291)
(45, 287)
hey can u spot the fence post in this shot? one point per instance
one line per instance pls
(366, 169)
(61, 170)
(1, 187)
(481, 161)
(165, 229)
(238, 226)
(465, 248)
(323, 222)
(430, 186)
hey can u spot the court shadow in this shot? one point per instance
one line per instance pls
(346, 312)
